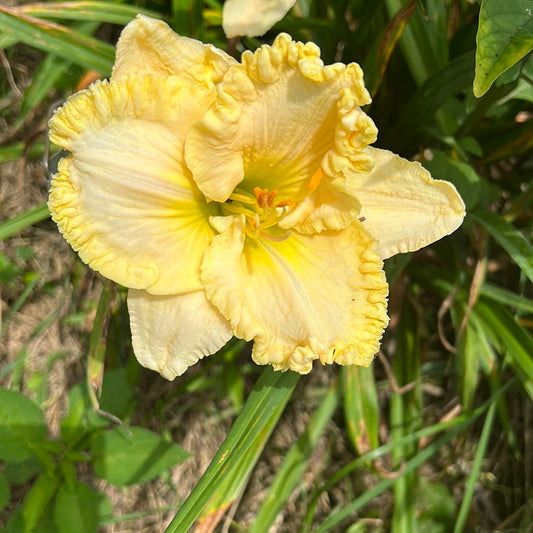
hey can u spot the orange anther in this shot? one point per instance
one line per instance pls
(265, 198)
(314, 182)
(271, 195)
(261, 196)
(286, 203)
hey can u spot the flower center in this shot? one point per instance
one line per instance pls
(262, 212)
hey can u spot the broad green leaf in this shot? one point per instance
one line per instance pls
(504, 36)
(35, 506)
(22, 426)
(76, 509)
(124, 460)
(22, 471)
(60, 40)
(251, 428)
(436, 507)
(513, 242)
(117, 393)
(72, 425)
(5, 491)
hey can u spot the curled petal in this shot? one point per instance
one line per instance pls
(402, 206)
(308, 297)
(329, 206)
(252, 17)
(124, 198)
(171, 333)
(277, 116)
(149, 46)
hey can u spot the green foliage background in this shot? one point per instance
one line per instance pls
(439, 430)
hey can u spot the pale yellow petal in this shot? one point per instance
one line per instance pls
(149, 46)
(252, 17)
(329, 206)
(277, 116)
(308, 297)
(402, 206)
(124, 198)
(171, 333)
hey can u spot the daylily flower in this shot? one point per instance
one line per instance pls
(240, 199)
(252, 17)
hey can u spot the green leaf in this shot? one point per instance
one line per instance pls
(451, 429)
(23, 221)
(117, 393)
(252, 428)
(512, 338)
(76, 509)
(504, 36)
(35, 505)
(22, 426)
(124, 460)
(473, 478)
(5, 491)
(22, 471)
(361, 409)
(289, 476)
(60, 40)
(514, 243)
(81, 418)
(436, 507)
(110, 12)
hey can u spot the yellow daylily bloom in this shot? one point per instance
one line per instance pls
(252, 17)
(240, 199)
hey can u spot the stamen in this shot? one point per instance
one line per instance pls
(314, 182)
(286, 203)
(240, 197)
(275, 238)
(271, 195)
(261, 196)
(264, 197)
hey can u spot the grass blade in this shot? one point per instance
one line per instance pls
(290, 473)
(24, 220)
(476, 469)
(512, 241)
(86, 10)
(60, 40)
(254, 424)
(452, 428)
(361, 407)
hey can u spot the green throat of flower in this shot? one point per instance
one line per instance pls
(263, 213)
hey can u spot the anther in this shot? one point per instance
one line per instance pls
(314, 182)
